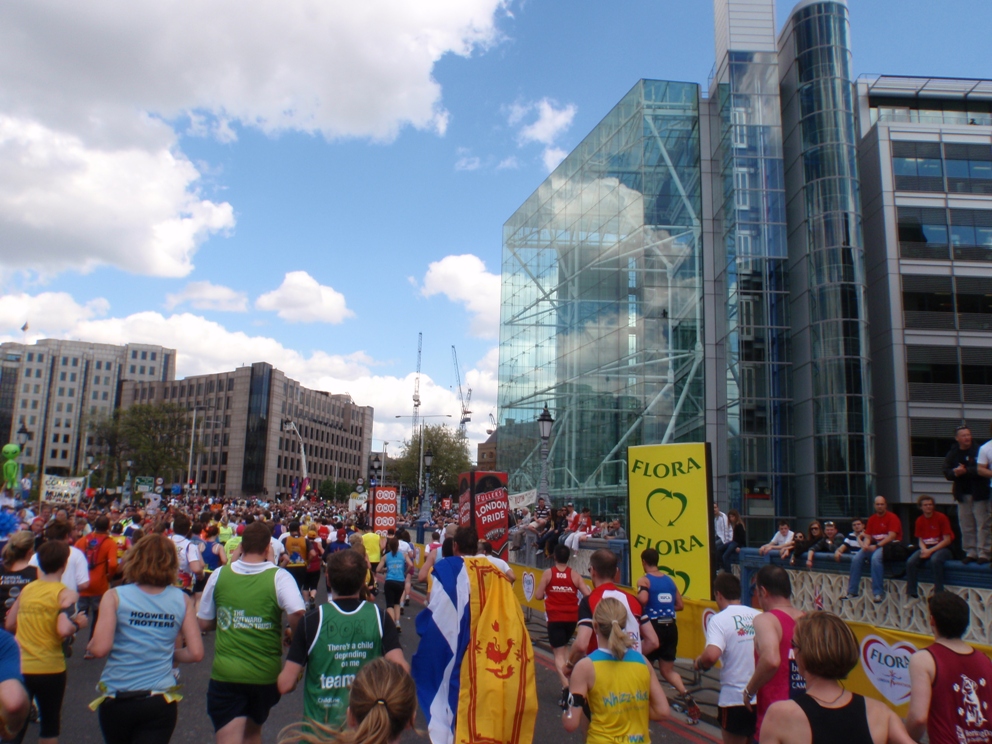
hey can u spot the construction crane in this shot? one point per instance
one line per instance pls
(465, 400)
(416, 385)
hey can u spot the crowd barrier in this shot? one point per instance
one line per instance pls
(888, 632)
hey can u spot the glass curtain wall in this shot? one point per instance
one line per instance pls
(750, 212)
(601, 306)
(818, 95)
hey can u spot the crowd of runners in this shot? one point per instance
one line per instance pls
(142, 590)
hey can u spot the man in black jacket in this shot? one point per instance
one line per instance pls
(971, 491)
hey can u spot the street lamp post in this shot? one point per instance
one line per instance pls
(192, 439)
(425, 507)
(544, 424)
(23, 437)
(127, 483)
(376, 467)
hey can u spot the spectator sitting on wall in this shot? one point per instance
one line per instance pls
(933, 530)
(885, 532)
(615, 532)
(782, 537)
(971, 490)
(801, 542)
(831, 542)
(857, 538)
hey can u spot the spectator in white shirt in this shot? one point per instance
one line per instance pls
(486, 549)
(781, 541)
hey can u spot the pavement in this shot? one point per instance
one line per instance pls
(80, 725)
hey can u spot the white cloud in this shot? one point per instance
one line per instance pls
(53, 312)
(301, 299)
(209, 296)
(468, 163)
(550, 123)
(91, 93)
(204, 346)
(510, 163)
(552, 156)
(464, 279)
(64, 203)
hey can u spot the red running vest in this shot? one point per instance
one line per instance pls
(961, 699)
(787, 683)
(561, 598)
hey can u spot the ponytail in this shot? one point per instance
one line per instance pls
(610, 620)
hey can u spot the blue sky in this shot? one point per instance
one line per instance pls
(313, 183)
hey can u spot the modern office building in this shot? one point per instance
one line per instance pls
(55, 388)
(695, 270)
(926, 165)
(244, 446)
(602, 299)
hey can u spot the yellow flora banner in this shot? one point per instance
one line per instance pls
(670, 507)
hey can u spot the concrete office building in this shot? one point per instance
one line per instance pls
(695, 271)
(55, 388)
(240, 417)
(926, 165)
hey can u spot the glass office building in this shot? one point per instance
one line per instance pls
(832, 408)
(601, 312)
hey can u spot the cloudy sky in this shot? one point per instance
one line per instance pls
(313, 182)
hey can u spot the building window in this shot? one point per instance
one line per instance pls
(75, 361)
(68, 408)
(61, 376)
(72, 392)
(55, 454)
(738, 120)
(144, 355)
(742, 182)
(103, 395)
(65, 454)
(72, 377)
(30, 357)
(917, 166)
(141, 369)
(98, 363)
(132, 369)
(134, 355)
(153, 356)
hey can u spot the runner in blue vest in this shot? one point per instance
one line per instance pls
(336, 640)
(661, 600)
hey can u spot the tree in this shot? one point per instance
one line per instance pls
(331, 491)
(451, 458)
(154, 437)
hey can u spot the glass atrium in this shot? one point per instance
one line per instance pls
(601, 306)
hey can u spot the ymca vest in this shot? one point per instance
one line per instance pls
(561, 601)
(345, 642)
(249, 628)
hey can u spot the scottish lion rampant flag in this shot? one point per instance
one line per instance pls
(474, 668)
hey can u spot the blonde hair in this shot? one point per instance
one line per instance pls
(610, 620)
(828, 647)
(18, 547)
(383, 702)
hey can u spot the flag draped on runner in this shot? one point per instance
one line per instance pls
(474, 667)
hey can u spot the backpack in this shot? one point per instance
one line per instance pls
(93, 551)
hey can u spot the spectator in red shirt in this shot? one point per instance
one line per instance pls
(884, 529)
(933, 530)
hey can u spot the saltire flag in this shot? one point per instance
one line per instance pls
(817, 598)
(474, 667)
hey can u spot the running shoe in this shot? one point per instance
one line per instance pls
(692, 711)
(563, 700)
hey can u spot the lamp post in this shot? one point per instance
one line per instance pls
(425, 506)
(23, 437)
(127, 483)
(544, 424)
(376, 467)
(192, 439)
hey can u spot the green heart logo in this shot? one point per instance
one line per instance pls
(664, 495)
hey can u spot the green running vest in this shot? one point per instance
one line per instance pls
(249, 628)
(345, 642)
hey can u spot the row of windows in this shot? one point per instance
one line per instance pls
(930, 111)
(141, 370)
(71, 375)
(930, 232)
(31, 357)
(144, 355)
(55, 438)
(954, 168)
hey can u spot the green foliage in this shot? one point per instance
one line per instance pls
(339, 492)
(154, 437)
(451, 458)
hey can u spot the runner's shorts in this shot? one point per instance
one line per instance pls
(394, 593)
(668, 641)
(560, 633)
(738, 720)
(229, 700)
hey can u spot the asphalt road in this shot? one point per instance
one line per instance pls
(80, 726)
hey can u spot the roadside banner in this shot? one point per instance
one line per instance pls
(525, 498)
(385, 503)
(60, 491)
(484, 505)
(670, 507)
(143, 483)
